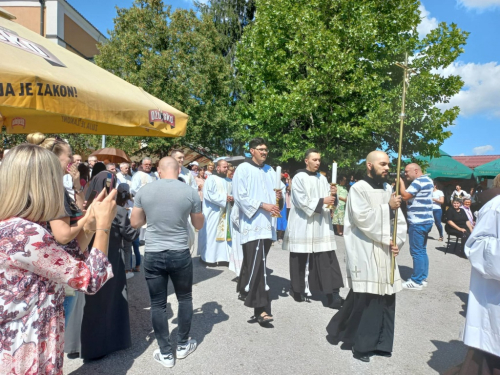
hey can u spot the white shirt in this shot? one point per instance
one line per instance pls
(124, 179)
(436, 195)
(140, 179)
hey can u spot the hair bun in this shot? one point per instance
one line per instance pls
(36, 138)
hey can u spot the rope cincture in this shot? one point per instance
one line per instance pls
(247, 288)
(307, 291)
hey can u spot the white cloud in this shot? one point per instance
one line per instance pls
(481, 91)
(482, 150)
(479, 4)
(462, 154)
(428, 23)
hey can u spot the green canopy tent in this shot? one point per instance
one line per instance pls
(491, 169)
(446, 167)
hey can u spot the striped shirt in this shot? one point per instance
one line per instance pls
(420, 206)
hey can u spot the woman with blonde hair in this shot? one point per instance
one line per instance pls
(210, 169)
(35, 267)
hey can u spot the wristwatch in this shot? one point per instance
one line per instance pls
(261, 205)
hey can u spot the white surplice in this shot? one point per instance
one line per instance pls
(212, 238)
(188, 177)
(235, 251)
(252, 186)
(483, 309)
(309, 231)
(367, 234)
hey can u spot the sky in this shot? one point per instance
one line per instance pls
(477, 128)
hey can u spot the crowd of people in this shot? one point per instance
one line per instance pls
(71, 232)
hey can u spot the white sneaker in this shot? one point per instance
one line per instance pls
(424, 282)
(129, 275)
(167, 360)
(186, 349)
(410, 284)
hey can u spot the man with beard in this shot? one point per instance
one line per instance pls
(215, 236)
(309, 235)
(366, 320)
(255, 205)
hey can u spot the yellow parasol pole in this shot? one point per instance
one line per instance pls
(401, 125)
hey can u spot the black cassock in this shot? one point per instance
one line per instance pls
(324, 272)
(365, 321)
(253, 276)
(106, 325)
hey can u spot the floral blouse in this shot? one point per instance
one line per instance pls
(33, 271)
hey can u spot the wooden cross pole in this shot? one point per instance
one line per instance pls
(406, 69)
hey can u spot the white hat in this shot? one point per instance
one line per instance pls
(194, 163)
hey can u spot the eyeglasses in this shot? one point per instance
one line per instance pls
(265, 150)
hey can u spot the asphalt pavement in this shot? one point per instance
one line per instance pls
(427, 333)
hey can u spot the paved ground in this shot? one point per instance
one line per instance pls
(428, 326)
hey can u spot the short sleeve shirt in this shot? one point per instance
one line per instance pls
(436, 195)
(420, 206)
(167, 205)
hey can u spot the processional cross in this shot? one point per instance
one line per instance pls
(406, 70)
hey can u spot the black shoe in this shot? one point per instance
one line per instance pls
(242, 297)
(336, 303)
(381, 353)
(363, 357)
(298, 297)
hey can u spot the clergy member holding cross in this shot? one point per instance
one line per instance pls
(366, 320)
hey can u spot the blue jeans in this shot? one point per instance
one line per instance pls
(69, 304)
(438, 214)
(158, 268)
(135, 245)
(418, 234)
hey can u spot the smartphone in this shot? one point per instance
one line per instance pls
(91, 199)
(69, 166)
(109, 179)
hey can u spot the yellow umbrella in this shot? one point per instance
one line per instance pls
(46, 88)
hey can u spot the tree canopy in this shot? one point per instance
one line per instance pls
(322, 74)
(176, 57)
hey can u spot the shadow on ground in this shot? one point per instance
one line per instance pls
(447, 355)
(119, 363)
(464, 297)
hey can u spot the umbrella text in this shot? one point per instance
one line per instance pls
(43, 89)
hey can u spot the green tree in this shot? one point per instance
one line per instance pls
(176, 57)
(322, 74)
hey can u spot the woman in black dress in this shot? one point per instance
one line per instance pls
(458, 224)
(106, 325)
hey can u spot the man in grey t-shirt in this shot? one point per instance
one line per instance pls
(166, 205)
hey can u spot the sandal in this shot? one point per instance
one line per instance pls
(264, 319)
(136, 269)
(440, 239)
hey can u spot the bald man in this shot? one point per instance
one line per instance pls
(366, 320)
(166, 205)
(214, 239)
(420, 221)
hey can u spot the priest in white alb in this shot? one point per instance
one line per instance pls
(255, 202)
(310, 237)
(366, 320)
(213, 238)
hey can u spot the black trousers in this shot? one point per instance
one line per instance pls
(324, 272)
(253, 276)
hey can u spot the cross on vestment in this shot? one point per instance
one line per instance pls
(356, 271)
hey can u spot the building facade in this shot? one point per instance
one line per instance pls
(60, 22)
